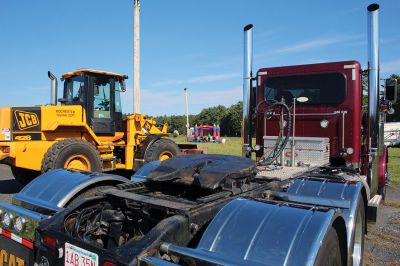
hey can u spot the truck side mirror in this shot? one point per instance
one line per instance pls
(391, 90)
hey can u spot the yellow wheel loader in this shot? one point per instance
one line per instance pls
(85, 132)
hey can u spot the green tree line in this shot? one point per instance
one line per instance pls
(229, 119)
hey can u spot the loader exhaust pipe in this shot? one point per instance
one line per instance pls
(53, 90)
(373, 92)
(247, 87)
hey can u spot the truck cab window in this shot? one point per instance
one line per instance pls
(327, 88)
(102, 99)
(118, 89)
(75, 90)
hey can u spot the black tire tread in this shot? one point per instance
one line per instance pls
(330, 253)
(49, 159)
(159, 146)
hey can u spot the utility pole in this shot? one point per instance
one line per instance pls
(187, 114)
(136, 57)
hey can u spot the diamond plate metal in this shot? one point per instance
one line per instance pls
(309, 150)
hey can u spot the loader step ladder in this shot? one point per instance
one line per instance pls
(109, 163)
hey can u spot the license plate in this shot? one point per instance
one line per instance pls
(13, 253)
(76, 256)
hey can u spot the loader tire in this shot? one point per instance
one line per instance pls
(23, 175)
(162, 149)
(330, 253)
(72, 154)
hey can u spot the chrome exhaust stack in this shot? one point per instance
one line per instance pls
(373, 92)
(373, 75)
(247, 87)
(53, 90)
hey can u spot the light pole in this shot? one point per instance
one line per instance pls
(187, 114)
(136, 56)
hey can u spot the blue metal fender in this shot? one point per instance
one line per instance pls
(250, 232)
(327, 192)
(54, 189)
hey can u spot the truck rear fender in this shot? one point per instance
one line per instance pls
(250, 232)
(53, 190)
(340, 194)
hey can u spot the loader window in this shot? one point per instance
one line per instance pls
(75, 89)
(102, 99)
(326, 88)
(118, 106)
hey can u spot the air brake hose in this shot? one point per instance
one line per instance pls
(269, 157)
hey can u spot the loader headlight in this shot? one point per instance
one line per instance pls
(19, 224)
(7, 218)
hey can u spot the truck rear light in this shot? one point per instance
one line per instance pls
(49, 241)
(7, 220)
(107, 263)
(19, 224)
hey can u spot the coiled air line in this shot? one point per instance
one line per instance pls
(271, 155)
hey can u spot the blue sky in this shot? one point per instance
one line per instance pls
(192, 44)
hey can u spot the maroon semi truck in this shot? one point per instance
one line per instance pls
(315, 114)
(333, 110)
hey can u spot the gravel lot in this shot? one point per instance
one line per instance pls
(382, 245)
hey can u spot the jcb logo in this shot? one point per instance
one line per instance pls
(26, 120)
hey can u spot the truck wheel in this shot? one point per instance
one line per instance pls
(329, 253)
(23, 175)
(162, 149)
(357, 240)
(72, 154)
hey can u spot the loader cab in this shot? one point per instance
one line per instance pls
(99, 94)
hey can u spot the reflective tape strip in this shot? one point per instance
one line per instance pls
(17, 238)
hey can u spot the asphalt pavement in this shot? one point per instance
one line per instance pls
(8, 185)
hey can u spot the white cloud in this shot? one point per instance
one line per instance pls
(319, 42)
(197, 80)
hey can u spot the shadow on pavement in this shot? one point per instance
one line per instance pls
(10, 186)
